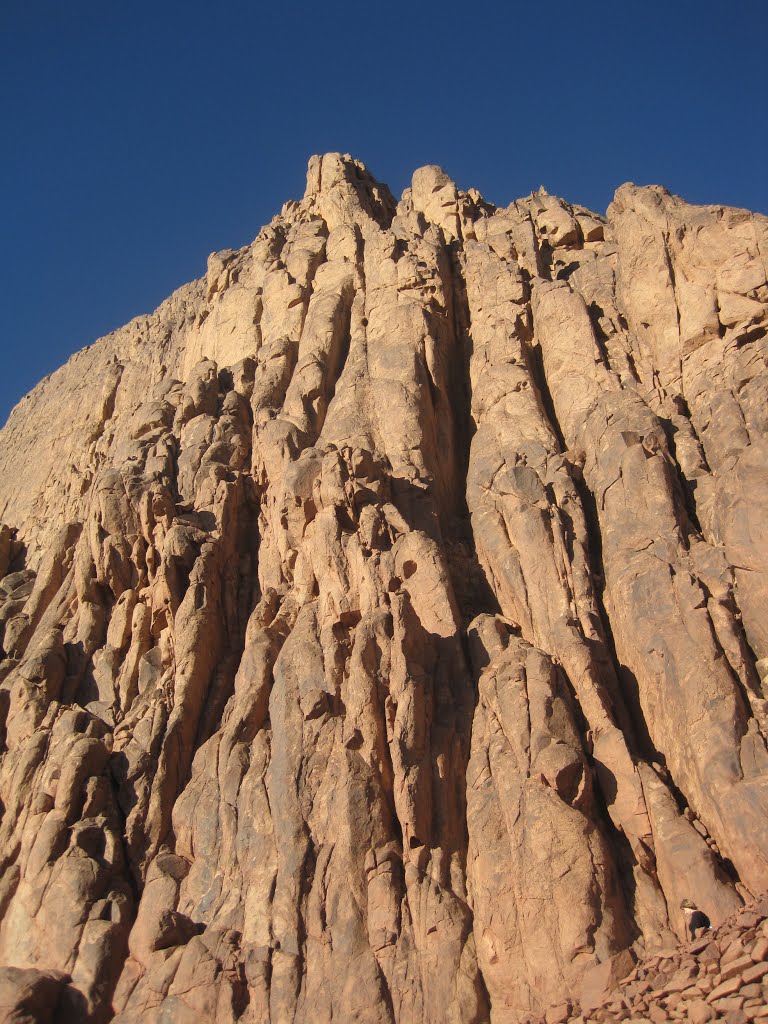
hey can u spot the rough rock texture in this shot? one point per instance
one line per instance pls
(383, 618)
(721, 975)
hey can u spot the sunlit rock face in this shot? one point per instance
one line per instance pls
(383, 618)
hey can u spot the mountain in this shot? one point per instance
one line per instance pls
(383, 619)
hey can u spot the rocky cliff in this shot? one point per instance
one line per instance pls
(383, 619)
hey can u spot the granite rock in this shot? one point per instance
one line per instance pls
(382, 624)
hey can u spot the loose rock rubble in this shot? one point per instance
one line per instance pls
(721, 975)
(382, 620)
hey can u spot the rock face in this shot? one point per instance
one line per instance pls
(383, 619)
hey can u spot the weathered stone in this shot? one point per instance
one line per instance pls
(30, 996)
(734, 968)
(754, 973)
(382, 624)
(724, 988)
(558, 1014)
(699, 1012)
(599, 981)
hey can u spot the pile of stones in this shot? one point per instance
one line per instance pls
(721, 975)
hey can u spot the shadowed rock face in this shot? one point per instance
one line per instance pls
(383, 618)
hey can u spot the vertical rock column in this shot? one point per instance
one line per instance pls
(690, 699)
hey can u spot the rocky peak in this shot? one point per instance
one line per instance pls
(343, 189)
(382, 623)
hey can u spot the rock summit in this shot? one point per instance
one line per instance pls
(383, 622)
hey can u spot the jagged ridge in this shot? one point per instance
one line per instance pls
(383, 617)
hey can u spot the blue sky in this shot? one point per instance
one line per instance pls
(139, 137)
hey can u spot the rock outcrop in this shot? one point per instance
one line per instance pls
(382, 620)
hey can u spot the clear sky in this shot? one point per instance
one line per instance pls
(138, 137)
